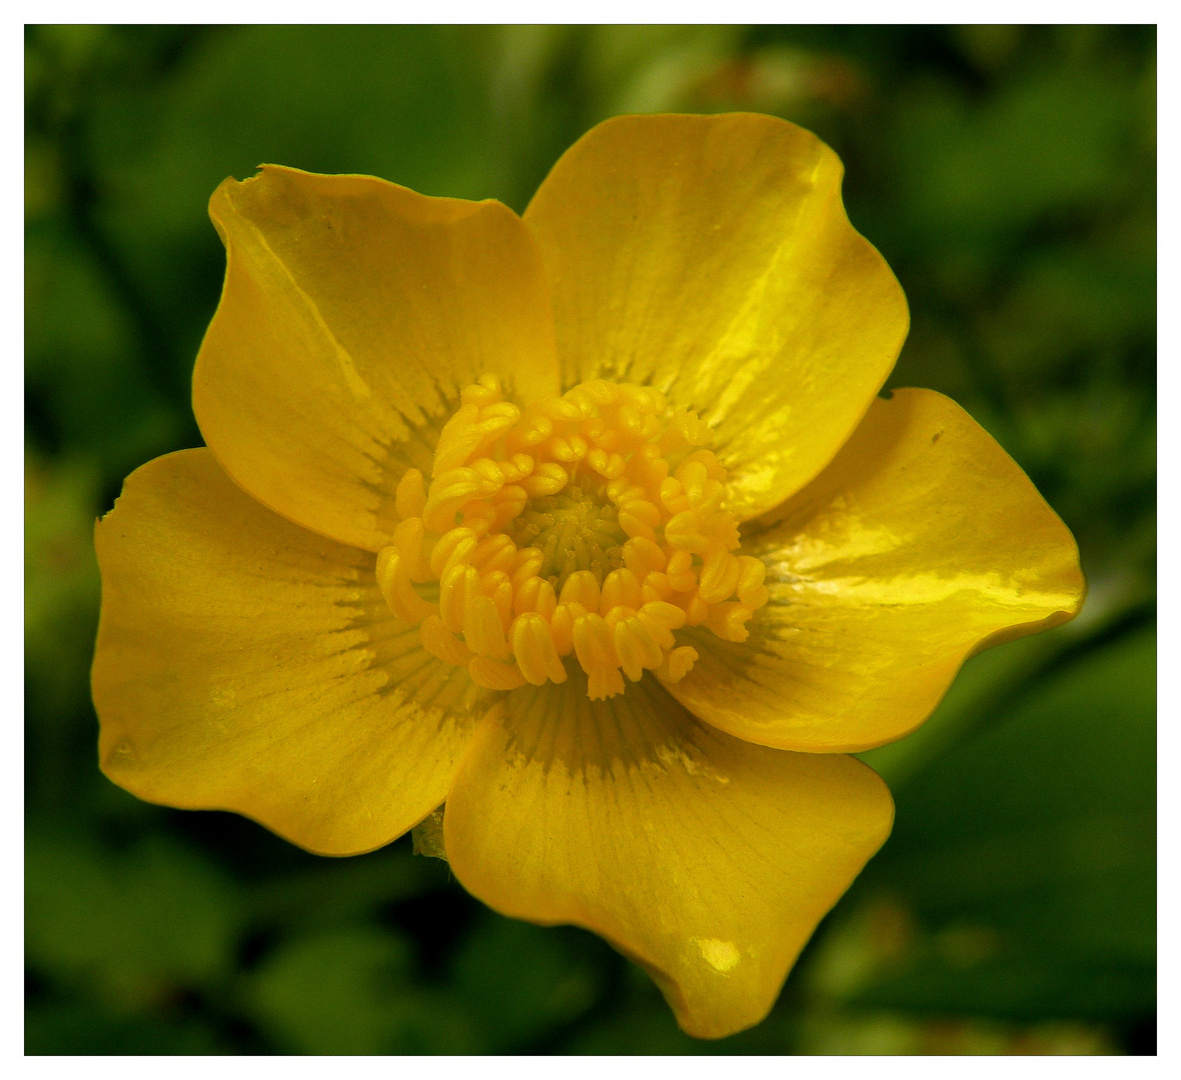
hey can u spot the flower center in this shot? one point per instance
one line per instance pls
(574, 530)
(586, 528)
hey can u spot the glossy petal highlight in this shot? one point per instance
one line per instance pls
(246, 664)
(712, 257)
(353, 312)
(706, 859)
(920, 544)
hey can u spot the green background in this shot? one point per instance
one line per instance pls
(1008, 176)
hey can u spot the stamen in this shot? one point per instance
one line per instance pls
(585, 529)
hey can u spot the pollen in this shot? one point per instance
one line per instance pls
(586, 529)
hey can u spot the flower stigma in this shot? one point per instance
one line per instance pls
(586, 528)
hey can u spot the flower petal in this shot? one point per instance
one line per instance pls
(922, 543)
(353, 313)
(246, 664)
(706, 859)
(712, 257)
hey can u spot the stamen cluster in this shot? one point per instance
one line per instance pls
(590, 525)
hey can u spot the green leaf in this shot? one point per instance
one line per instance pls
(348, 991)
(524, 980)
(133, 927)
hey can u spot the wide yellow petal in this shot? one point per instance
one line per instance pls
(712, 257)
(920, 544)
(353, 313)
(246, 664)
(706, 859)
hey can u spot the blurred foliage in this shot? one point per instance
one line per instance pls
(1007, 174)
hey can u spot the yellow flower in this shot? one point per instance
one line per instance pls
(588, 523)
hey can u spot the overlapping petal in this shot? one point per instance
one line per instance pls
(244, 663)
(353, 312)
(707, 859)
(922, 542)
(712, 257)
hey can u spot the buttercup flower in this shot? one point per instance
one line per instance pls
(588, 523)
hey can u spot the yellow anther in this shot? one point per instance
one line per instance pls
(495, 552)
(408, 539)
(722, 527)
(508, 503)
(499, 586)
(655, 586)
(493, 675)
(710, 460)
(531, 431)
(595, 391)
(696, 610)
(594, 643)
(451, 549)
(672, 495)
(684, 532)
(645, 398)
(486, 391)
(525, 595)
(559, 449)
(598, 432)
(458, 440)
(517, 467)
(620, 587)
(440, 642)
(499, 411)
(623, 491)
(581, 588)
(395, 586)
(494, 421)
(528, 564)
(480, 517)
(636, 647)
(648, 467)
(662, 619)
(615, 614)
(533, 646)
(752, 572)
(562, 626)
(677, 664)
(490, 470)
(547, 479)
(606, 464)
(637, 549)
(559, 409)
(728, 621)
(664, 613)
(680, 571)
(644, 510)
(641, 556)
(711, 498)
(410, 495)
(450, 491)
(482, 629)
(631, 419)
(719, 575)
(692, 475)
(459, 585)
(636, 527)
